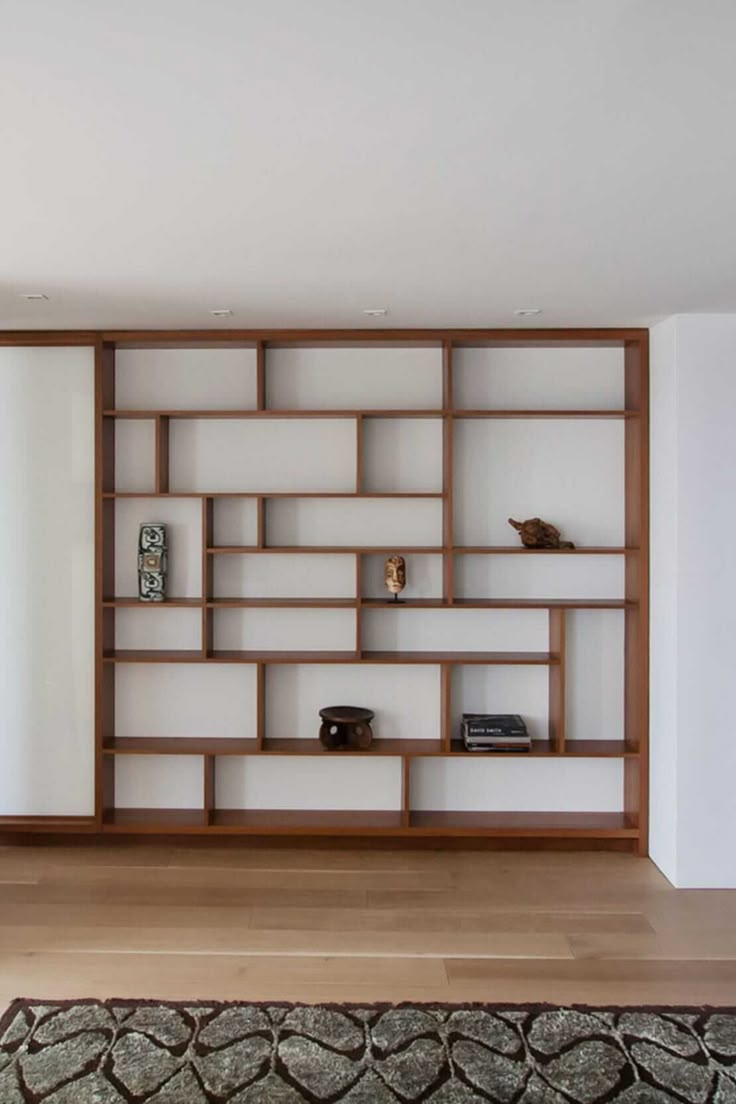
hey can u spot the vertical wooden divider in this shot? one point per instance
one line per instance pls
(261, 391)
(260, 521)
(448, 448)
(104, 579)
(406, 762)
(162, 455)
(359, 484)
(208, 528)
(359, 456)
(636, 615)
(557, 626)
(260, 705)
(446, 706)
(210, 801)
(358, 605)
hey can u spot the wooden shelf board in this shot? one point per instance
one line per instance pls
(153, 820)
(295, 746)
(506, 413)
(282, 603)
(322, 550)
(376, 412)
(464, 658)
(539, 748)
(610, 749)
(560, 825)
(474, 338)
(180, 745)
(372, 823)
(498, 603)
(128, 655)
(315, 821)
(392, 747)
(517, 549)
(410, 495)
(394, 412)
(135, 603)
(143, 655)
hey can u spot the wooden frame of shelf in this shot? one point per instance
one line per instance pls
(629, 827)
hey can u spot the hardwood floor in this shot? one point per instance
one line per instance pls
(229, 923)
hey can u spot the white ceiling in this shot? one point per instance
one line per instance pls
(301, 160)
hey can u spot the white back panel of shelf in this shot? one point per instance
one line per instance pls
(523, 690)
(135, 454)
(273, 454)
(595, 675)
(183, 519)
(423, 576)
(185, 379)
(455, 630)
(235, 521)
(299, 782)
(151, 626)
(283, 575)
(539, 379)
(285, 629)
(402, 454)
(185, 699)
(526, 785)
(356, 522)
(405, 699)
(567, 471)
(540, 575)
(354, 378)
(159, 782)
(47, 598)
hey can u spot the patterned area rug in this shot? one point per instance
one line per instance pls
(145, 1052)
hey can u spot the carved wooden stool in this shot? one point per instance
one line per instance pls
(345, 726)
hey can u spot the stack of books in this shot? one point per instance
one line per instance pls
(495, 732)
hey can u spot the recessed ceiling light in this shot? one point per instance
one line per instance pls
(34, 296)
(525, 312)
(221, 312)
(376, 312)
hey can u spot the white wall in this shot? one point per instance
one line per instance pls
(47, 573)
(693, 637)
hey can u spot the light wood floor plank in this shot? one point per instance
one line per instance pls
(249, 923)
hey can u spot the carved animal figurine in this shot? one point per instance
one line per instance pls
(536, 533)
(395, 575)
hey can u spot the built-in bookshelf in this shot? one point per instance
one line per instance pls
(287, 466)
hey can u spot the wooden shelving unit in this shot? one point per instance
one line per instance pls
(629, 824)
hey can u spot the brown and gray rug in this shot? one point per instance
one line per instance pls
(146, 1052)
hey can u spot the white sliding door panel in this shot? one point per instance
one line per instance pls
(47, 567)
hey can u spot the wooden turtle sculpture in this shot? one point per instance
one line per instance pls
(536, 533)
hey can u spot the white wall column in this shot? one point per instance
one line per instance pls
(693, 600)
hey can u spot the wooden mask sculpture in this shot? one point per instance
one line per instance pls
(395, 575)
